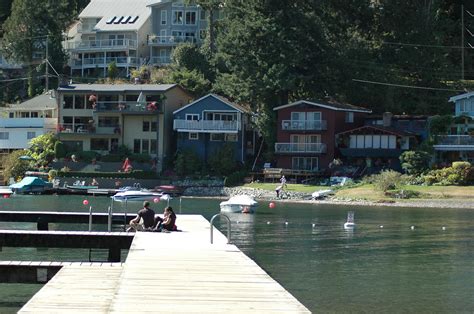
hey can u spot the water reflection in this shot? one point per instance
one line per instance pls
(242, 226)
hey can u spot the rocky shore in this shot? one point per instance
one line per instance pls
(296, 197)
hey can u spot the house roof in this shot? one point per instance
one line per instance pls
(400, 117)
(220, 98)
(333, 105)
(106, 10)
(383, 129)
(40, 102)
(118, 87)
(462, 96)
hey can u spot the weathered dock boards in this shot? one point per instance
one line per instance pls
(177, 272)
(77, 289)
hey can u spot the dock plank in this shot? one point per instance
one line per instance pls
(177, 272)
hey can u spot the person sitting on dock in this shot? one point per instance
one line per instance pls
(94, 182)
(168, 222)
(145, 219)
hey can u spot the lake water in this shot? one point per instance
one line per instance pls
(329, 269)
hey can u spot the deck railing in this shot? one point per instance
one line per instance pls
(304, 125)
(127, 107)
(158, 40)
(456, 140)
(206, 125)
(101, 44)
(317, 148)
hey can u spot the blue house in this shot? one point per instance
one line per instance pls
(208, 123)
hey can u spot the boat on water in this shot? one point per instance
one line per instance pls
(5, 191)
(349, 224)
(33, 185)
(239, 204)
(321, 194)
(141, 195)
(80, 187)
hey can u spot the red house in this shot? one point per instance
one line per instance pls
(307, 131)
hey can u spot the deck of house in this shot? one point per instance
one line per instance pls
(177, 272)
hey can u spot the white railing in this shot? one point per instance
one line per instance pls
(206, 125)
(101, 44)
(160, 60)
(22, 123)
(304, 125)
(170, 40)
(300, 148)
(101, 61)
(456, 140)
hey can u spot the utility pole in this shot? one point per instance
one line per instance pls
(462, 41)
(46, 66)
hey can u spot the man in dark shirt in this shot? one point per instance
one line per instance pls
(145, 219)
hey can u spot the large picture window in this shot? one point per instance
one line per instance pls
(99, 144)
(177, 17)
(305, 163)
(190, 17)
(108, 122)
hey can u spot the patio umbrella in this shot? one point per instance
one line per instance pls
(141, 99)
(127, 165)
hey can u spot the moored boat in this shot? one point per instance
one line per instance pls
(142, 195)
(239, 204)
(31, 185)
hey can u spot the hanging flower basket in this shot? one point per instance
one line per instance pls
(152, 106)
(92, 98)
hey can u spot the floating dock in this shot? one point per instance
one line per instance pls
(177, 272)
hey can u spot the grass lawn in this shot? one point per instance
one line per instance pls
(368, 192)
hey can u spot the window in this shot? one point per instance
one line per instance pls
(349, 117)
(108, 122)
(145, 146)
(136, 146)
(216, 137)
(203, 15)
(231, 137)
(192, 116)
(305, 163)
(24, 114)
(30, 135)
(99, 144)
(34, 114)
(146, 126)
(4, 135)
(68, 101)
(153, 146)
(78, 101)
(153, 126)
(190, 36)
(164, 17)
(177, 17)
(11, 115)
(190, 17)
(193, 136)
(163, 35)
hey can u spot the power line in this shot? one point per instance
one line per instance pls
(408, 86)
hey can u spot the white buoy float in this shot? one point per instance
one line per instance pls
(268, 222)
(443, 228)
(412, 227)
(381, 226)
(350, 221)
(286, 223)
(313, 225)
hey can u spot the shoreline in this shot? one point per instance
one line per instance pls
(269, 196)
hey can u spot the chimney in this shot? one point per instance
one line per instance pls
(387, 119)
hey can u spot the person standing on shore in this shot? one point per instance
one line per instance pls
(283, 182)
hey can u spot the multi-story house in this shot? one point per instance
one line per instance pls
(22, 122)
(109, 31)
(174, 23)
(306, 132)
(208, 123)
(102, 117)
(459, 143)
(379, 144)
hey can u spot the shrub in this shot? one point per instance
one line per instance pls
(222, 162)
(112, 158)
(59, 150)
(460, 173)
(13, 166)
(140, 157)
(136, 174)
(415, 162)
(52, 174)
(387, 180)
(187, 162)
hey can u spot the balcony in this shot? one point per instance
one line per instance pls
(303, 125)
(160, 60)
(455, 143)
(85, 128)
(206, 126)
(15, 123)
(371, 152)
(102, 62)
(292, 148)
(170, 40)
(97, 45)
(151, 108)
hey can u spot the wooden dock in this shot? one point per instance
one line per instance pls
(177, 272)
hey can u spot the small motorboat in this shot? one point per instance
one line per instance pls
(321, 194)
(31, 185)
(5, 191)
(239, 204)
(142, 195)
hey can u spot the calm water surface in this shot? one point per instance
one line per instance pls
(369, 269)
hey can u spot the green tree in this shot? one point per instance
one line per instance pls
(194, 81)
(42, 148)
(415, 162)
(222, 162)
(30, 27)
(13, 166)
(112, 70)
